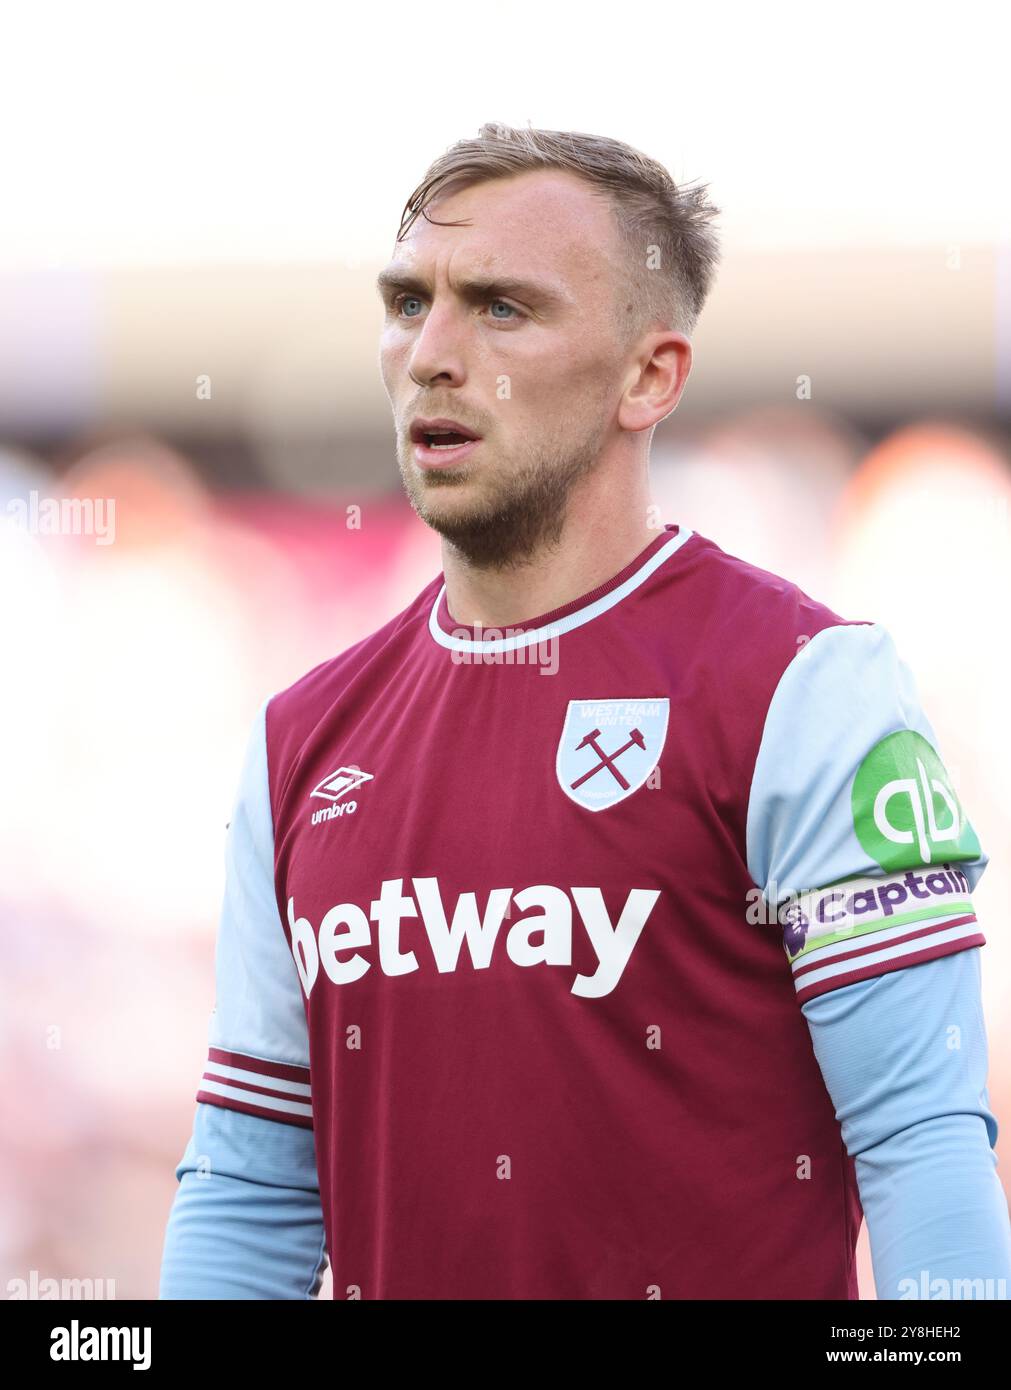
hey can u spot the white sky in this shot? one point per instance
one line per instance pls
(140, 133)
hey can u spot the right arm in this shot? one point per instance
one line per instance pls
(247, 1221)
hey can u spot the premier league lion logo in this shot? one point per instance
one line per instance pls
(795, 926)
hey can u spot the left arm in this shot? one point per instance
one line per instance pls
(904, 1057)
(855, 827)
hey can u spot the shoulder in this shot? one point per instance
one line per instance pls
(294, 712)
(761, 611)
(746, 630)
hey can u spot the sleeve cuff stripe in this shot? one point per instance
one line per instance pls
(279, 1071)
(263, 1113)
(869, 958)
(263, 1099)
(862, 971)
(861, 943)
(258, 1080)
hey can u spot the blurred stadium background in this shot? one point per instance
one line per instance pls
(200, 196)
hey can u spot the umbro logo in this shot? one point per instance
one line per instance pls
(339, 783)
(335, 786)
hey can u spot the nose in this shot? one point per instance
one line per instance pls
(437, 355)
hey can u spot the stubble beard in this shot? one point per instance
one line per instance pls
(522, 515)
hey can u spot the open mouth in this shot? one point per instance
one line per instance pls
(445, 439)
(441, 442)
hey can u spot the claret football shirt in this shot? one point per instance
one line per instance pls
(528, 946)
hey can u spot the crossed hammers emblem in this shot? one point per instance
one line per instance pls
(608, 759)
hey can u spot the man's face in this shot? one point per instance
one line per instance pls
(507, 326)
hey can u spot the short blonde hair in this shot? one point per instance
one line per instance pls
(672, 248)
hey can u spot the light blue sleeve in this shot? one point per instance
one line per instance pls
(904, 1057)
(855, 833)
(246, 1222)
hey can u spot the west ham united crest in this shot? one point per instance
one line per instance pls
(608, 748)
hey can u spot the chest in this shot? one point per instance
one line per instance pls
(490, 818)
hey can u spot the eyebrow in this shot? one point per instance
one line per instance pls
(475, 289)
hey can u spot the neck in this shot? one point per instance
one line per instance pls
(589, 551)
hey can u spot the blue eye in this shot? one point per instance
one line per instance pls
(399, 304)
